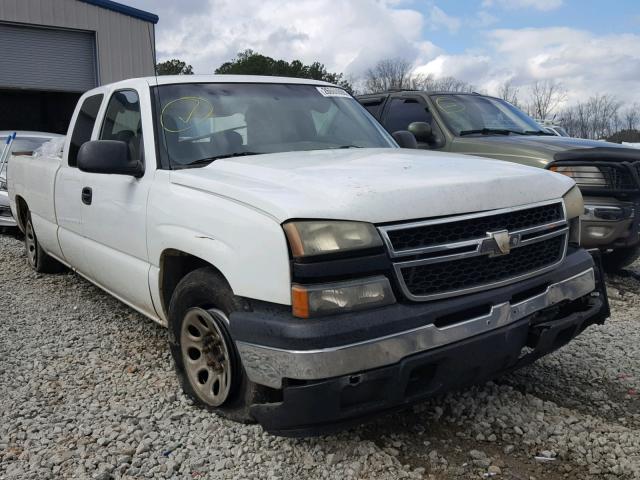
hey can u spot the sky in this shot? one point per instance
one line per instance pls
(590, 47)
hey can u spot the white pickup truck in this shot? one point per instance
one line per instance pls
(310, 272)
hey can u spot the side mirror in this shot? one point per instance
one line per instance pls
(108, 156)
(405, 139)
(422, 131)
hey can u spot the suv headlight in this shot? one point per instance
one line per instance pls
(585, 175)
(3, 184)
(318, 237)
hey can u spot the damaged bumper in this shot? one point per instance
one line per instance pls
(458, 342)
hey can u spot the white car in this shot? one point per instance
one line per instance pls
(310, 272)
(25, 143)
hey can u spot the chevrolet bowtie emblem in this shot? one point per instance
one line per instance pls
(499, 243)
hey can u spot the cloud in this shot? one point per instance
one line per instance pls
(437, 19)
(352, 36)
(543, 5)
(345, 36)
(583, 62)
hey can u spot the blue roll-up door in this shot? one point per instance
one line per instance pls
(47, 58)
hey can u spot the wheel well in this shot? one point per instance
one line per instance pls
(22, 210)
(174, 265)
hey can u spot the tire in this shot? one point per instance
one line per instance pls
(203, 301)
(37, 258)
(620, 258)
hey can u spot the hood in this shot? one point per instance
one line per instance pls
(372, 185)
(536, 151)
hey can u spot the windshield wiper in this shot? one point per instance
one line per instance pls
(537, 132)
(347, 146)
(489, 131)
(203, 161)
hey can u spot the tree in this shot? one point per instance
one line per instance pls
(387, 74)
(430, 83)
(508, 92)
(596, 118)
(631, 117)
(174, 67)
(546, 96)
(252, 63)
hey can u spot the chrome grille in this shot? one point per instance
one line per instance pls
(467, 253)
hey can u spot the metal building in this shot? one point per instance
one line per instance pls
(54, 50)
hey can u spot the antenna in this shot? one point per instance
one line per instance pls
(155, 72)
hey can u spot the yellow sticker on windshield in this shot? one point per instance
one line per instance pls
(183, 113)
(449, 105)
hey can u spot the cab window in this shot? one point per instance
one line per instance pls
(123, 122)
(84, 126)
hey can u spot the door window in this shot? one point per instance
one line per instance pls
(84, 126)
(403, 111)
(122, 121)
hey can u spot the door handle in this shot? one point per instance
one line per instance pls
(87, 194)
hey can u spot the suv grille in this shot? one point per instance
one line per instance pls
(455, 231)
(441, 277)
(457, 255)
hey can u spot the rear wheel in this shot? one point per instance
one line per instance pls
(37, 258)
(205, 357)
(620, 258)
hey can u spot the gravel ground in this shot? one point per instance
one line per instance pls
(88, 391)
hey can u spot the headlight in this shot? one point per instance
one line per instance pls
(573, 203)
(324, 299)
(318, 237)
(585, 175)
(3, 184)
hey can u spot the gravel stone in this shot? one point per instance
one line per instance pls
(88, 391)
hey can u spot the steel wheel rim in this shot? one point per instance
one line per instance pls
(205, 355)
(31, 244)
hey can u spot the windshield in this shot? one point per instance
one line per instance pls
(475, 114)
(199, 123)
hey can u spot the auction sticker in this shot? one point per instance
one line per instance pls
(333, 92)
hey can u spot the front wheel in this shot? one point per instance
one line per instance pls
(205, 357)
(620, 258)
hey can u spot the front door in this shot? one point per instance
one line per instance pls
(114, 209)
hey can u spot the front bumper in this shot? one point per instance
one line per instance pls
(609, 223)
(345, 367)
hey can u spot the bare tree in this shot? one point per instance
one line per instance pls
(387, 74)
(546, 96)
(631, 117)
(443, 84)
(507, 91)
(596, 118)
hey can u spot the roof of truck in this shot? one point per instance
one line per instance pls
(169, 79)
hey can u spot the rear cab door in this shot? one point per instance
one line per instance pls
(68, 187)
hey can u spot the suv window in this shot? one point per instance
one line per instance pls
(403, 111)
(84, 126)
(374, 106)
(123, 122)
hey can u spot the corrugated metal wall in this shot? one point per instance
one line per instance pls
(123, 43)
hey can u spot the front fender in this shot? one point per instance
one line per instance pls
(247, 246)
